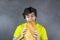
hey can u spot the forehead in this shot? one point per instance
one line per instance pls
(31, 14)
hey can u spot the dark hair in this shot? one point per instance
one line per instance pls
(28, 11)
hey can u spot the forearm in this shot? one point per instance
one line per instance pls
(15, 38)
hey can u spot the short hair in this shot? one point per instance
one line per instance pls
(29, 10)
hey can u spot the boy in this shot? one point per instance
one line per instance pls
(30, 14)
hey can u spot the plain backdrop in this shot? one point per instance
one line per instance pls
(11, 16)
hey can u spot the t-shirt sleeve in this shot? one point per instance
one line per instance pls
(44, 34)
(18, 31)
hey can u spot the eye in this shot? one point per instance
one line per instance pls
(27, 16)
(32, 16)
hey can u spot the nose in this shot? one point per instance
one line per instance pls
(31, 18)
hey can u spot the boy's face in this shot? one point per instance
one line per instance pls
(30, 17)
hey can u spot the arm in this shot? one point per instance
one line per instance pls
(44, 34)
(17, 32)
(14, 38)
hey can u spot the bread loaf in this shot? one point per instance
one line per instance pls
(30, 31)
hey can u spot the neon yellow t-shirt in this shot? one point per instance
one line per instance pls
(40, 29)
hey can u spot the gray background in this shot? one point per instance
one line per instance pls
(11, 15)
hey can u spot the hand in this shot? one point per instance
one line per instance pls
(36, 35)
(23, 33)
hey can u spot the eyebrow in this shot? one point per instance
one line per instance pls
(31, 14)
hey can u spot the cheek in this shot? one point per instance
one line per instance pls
(34, 18)
(27, 19)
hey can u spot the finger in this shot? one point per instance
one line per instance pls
(24, 30)
(35, 35)
(35, 31)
